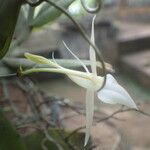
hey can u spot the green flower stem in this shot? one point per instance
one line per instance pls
(55, 70)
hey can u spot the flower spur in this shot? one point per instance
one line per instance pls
(111, 93)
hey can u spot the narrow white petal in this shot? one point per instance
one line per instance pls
(113, 93)
(82, 64)
(83, 82)
(89, 114)
(56, 64)
(92, 51)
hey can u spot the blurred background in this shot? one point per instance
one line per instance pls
(122, 33)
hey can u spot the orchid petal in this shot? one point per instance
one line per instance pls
(87, 83)
(39, 59)
(113, 93)
(56, 64)
(83, 82)
(82, 64)
(89, 113)
(92, 51)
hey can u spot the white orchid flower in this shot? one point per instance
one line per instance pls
(112, 92)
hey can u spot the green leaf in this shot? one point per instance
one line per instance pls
(33, 141)
(9, 11)
(22, 29)
(50, 13)
(44, 6)
(9, 138)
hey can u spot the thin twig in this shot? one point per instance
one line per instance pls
(7, 97)
(81, 111)
(43, 144)
(8, 75)
(120, 110)
(47, 135)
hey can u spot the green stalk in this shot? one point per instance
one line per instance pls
(55, 70)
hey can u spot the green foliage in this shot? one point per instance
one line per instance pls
(9, 138)
(9, 11)
(33, 141)
(50, 13)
